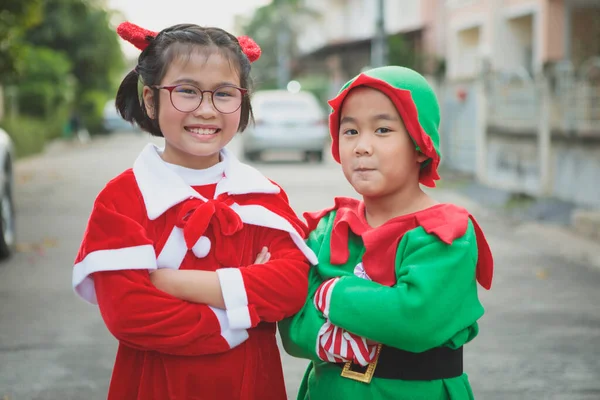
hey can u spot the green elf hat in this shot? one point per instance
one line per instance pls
(416, 103)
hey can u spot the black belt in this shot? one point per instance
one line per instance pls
(393, 363)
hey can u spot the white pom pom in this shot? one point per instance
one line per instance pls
(202, 247)
(359, 271)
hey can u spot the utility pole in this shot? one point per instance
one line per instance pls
(379, 48)
(283, 45)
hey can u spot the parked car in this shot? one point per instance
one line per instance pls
(7, 208)
(286, 121)
(113, 122)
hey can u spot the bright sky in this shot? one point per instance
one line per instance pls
(156, 15)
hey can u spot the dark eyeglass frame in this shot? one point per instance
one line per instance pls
(170, 88)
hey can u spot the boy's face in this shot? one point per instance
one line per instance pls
(377, 155)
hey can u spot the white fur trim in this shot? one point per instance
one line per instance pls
(174, 250)
(260, 216)
(234, 337)
(137, 257)
(162, 188)
(241, 178)
(235, 297)
(202, 247)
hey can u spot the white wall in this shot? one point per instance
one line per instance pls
(350, 20)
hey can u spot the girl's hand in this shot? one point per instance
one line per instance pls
(263, 257)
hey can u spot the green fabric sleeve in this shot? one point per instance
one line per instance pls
(434, 299)
(299, 333)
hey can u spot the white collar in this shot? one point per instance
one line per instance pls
(199, 177)
(162, 188)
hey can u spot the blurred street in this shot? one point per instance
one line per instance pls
(539, 338)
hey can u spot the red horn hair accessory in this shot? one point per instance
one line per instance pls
(136, 35)
(140, 38)
(250, 48)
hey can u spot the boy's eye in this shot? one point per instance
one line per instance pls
(350, 132)
(382, 130)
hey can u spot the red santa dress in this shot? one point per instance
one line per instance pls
(159, 215)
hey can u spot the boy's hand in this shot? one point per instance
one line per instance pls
(263, 257)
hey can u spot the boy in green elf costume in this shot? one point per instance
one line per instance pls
(393, 298)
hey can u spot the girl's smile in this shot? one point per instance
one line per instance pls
(194, 139)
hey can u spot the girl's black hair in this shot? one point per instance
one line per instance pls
(171, 43)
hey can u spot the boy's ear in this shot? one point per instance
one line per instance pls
(148, 96)
(421, 157)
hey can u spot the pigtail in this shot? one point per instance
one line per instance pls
(127, 101)
(130, 106)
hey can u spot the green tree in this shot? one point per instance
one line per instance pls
(81, 30)
(15, 17)
(275, 27)
(401, 52)
(45, 84)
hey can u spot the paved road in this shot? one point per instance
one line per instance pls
(540, 337)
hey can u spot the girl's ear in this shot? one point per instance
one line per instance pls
(148, 96)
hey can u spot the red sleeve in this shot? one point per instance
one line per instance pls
(143, 317)
(266, 292)
(277, 289)
(112, 269)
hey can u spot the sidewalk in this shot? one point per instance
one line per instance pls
(548, 226)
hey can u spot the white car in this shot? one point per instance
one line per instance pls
(286, 121)
(7, 209)
(113, 122)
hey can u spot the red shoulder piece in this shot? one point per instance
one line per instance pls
(347, 218)
(445, 221)
(449, 222)
(485, 261)
(313, 218)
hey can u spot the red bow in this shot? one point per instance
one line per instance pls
(195, 216)
(140, 38)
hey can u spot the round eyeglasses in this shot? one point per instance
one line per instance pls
(186, 98)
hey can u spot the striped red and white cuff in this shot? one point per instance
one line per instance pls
(335, 344)
(322, 298)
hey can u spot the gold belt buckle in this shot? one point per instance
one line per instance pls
(366, 376)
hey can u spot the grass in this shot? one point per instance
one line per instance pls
(29, 135)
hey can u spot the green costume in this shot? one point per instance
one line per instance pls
(409, 284)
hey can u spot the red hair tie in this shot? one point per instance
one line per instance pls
(141, 38)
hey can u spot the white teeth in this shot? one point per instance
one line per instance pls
(202, 131)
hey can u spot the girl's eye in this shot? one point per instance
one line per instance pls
(186, 90)
(382, 130)
(224, 93)
(350, 132)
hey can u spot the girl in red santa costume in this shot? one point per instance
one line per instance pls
(191, 255)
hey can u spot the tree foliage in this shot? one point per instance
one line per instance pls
(91, 45)
(16, 16)
(45, 83)
(57, 57)
(280, 18)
